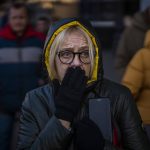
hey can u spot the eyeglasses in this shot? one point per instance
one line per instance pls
(67, 57)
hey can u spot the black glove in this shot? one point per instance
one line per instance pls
(88, 136)
(70, 93)
(56, 86)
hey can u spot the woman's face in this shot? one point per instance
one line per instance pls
(74, 42)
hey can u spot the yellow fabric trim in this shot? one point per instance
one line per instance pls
(47, 53)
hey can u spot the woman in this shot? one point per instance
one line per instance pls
(55, 116)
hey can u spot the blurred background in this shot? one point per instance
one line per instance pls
(109, 18)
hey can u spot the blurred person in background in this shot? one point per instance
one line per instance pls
(120, 25)
(42, 24)
(127, 21)
(137, 79)
(56, 116)
(131, 40)
(20, 52)
(3, 14)
(3, 19)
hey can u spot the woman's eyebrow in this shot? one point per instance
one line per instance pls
(71, 48)
(83, 48)
(66, 49)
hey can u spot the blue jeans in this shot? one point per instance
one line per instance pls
(6, 124)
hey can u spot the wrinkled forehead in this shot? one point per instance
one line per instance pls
(73, 38)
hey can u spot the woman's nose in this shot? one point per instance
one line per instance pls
(76, 61)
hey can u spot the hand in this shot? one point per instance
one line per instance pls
(70, 93)
(88, 136)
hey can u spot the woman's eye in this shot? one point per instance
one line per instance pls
(85, 54)
(65, 54)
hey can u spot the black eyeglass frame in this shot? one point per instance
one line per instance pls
(74, 53)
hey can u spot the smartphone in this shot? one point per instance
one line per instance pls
(100, 114)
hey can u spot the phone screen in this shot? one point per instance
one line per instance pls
(100, 113)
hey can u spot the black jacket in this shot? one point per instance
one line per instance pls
(41, 130)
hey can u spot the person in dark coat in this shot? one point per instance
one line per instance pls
(56, 116)
(132, 39)
(20, 51)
